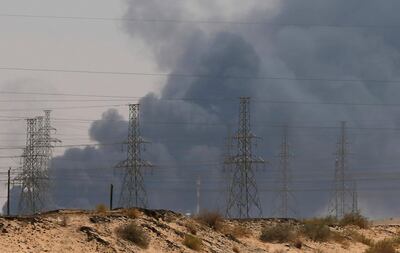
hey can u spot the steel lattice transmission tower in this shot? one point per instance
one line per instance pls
(243, 201)
(34, 178)
(345, 196)
(47, 140)
(285, 192)
(133, 192)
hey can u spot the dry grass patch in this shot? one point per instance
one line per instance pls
(279, 233)
(355, 219)
(133, 213)
(212, 220)
(329, 221)
(236, 249)
(134, 234)
(239, 231)
(358, 237)
(316, 231)
(191, 227)
(193, 242)
(65, 220)
(385, 246)
(298, 244)
(101, 208)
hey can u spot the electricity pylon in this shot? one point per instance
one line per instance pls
(243, 201)
(133, 192)
(34, 178)
(284, 192)
(345, 196)
(47, 140)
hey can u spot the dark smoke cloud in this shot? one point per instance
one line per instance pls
(330, 52)
(308, 51)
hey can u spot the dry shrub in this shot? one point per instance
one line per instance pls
(239, 231)
(133, 213)
(298, 244)
(191, 227)
(279, 233)
(134, 234)
(385, 246)
(316, 231)
(213, 220)
(355, 219)
(193, 242)
(236, 249)
(338, 237)
(327, 220)
(358, 237)
(65, 220)
(101, 208)
(395, 240)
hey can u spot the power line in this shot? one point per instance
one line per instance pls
(204, 22)
(205, 76)
(65, 94)
(117, 98)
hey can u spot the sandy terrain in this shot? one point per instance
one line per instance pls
(80, 231)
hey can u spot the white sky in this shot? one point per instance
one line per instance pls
(65, 44)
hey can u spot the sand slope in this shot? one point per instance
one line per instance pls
(82, 231)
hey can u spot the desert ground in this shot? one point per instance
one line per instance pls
(166, 231)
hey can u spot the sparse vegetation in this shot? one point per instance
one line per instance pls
(64, 221)
(239, 231)
(191, 227)
(101, 208)
(355, 219)
(338, 237)
(133, 213)
(316, 230)
(385, 246)
(213, 220)
(193, 242)
(134, 234)
(278, 233)
(328, 221)
(356, 236)
(298, 244)
(236, 249)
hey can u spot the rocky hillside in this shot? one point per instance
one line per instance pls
(165, 231)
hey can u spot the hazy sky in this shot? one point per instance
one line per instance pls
(324, 40)
(66, 44)
(71, 44)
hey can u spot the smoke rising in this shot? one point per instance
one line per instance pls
(347, 40)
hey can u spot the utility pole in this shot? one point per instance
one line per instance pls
(8, 191)
(354, 208)
(133, 192)
(198, 186)
(111, 196)
(343, 191)
(243, 201)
